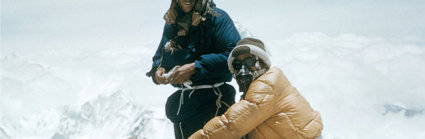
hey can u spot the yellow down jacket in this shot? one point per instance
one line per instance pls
(272, 109)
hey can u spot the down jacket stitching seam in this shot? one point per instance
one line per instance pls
(273, 130)
(231, 121)
(268, 85)
(261, 133)
(291, 124)
(310, 122)
(208, 133)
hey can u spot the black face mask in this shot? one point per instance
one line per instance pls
(244, 79)
(245, 76)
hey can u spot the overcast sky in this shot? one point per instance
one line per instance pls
(58, 23)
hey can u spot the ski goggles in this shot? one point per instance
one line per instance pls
(248, 62)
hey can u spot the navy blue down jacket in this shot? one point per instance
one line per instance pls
(208, 45)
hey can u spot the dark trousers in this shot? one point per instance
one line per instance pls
(198, 108)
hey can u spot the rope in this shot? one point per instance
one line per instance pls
(181, 101)
(181, 130)
(185, 87)
(218, 101)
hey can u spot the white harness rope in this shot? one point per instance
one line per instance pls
(186, 87)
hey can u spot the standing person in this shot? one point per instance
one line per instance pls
(192, 56)
(271, 108)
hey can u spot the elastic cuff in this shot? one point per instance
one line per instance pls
(198, 68)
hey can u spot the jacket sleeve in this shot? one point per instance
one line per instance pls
(240, 118)
(225, 38)
(156, 59)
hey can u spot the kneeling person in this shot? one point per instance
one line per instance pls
(271, 108)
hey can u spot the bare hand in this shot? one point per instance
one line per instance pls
(158, 76)
(182, 74)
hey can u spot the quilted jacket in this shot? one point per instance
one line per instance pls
(272, 109)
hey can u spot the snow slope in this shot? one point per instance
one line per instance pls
(80, 94)
(364, 88)
(76, 69)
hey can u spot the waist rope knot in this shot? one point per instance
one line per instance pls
(186, 87)
(218, 101)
